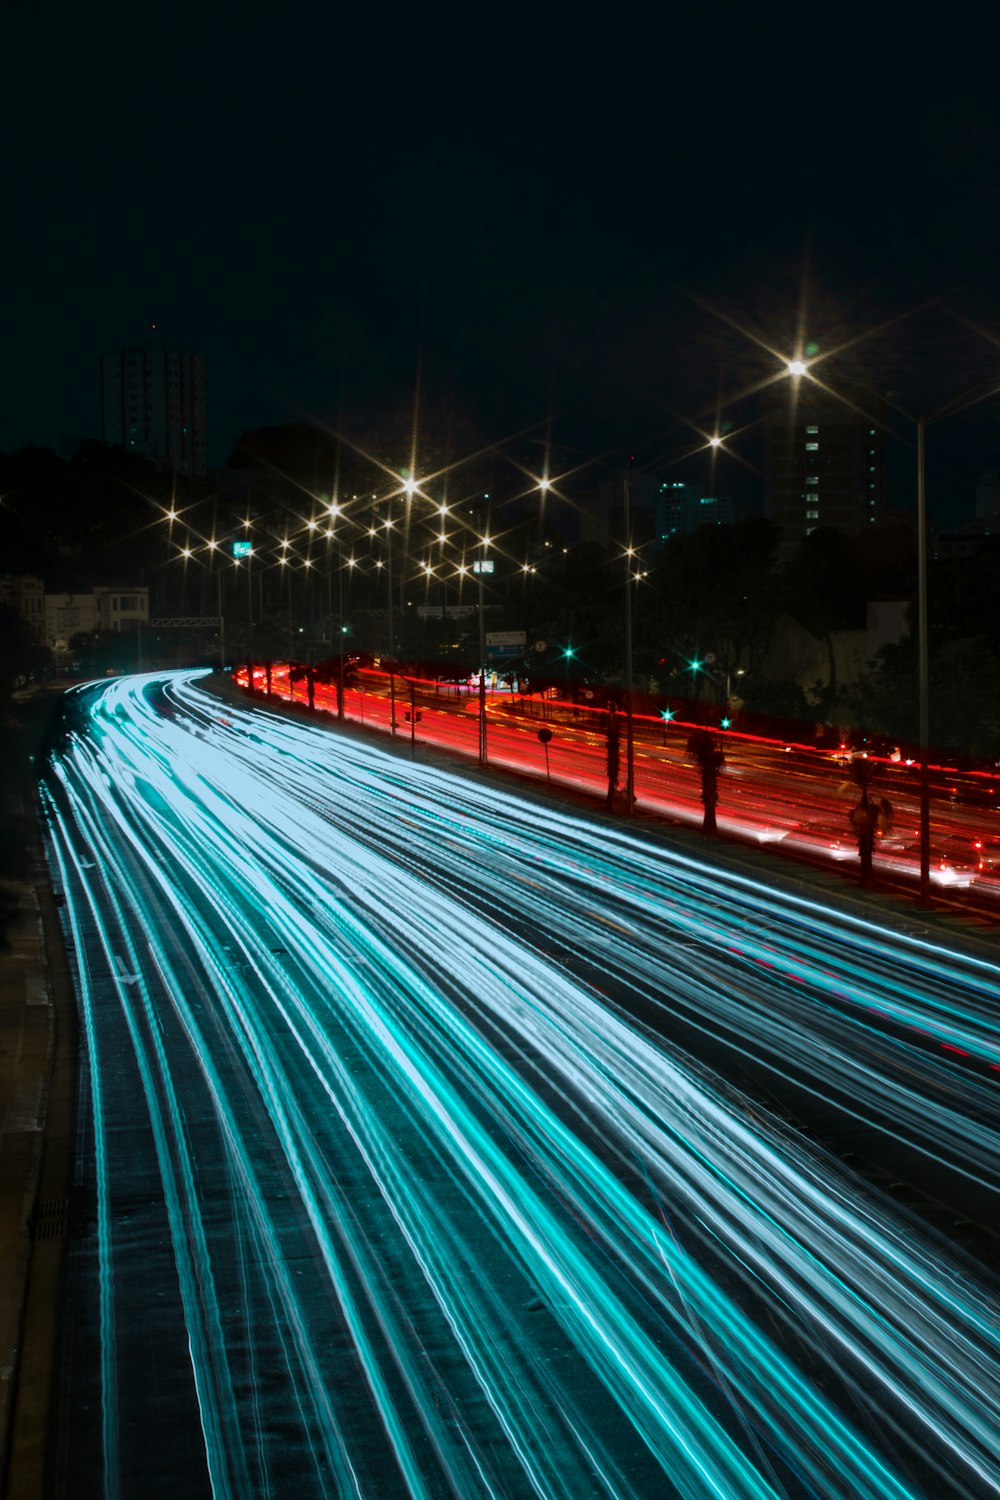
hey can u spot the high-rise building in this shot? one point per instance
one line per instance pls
(681, 510)
(154, 406)
(824, 465)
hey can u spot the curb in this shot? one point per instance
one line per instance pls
(27, 1049)
(38, 1066)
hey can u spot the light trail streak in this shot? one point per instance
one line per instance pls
(773, 791)
(457, 1117)
(665, 906)
(219, 1409)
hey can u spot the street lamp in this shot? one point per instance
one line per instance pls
(923, 673)
(213, 547)
(484, 543)
(797, 367)
(248, 554)
(629, 726)
(392, 638)
(950, 408)
(340, 624)
(285, 562)
(307, 566)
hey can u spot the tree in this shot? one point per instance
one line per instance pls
(713, 590)
(21, 653)
(707, 753)
(102, 651)
(583, 603)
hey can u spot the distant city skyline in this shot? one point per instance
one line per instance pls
(153, 405)
(606, 232)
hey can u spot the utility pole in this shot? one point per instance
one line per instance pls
(340, 613)
(629, 740)
(483, 521)
(392, 638)
(922, 674)
(222, 620)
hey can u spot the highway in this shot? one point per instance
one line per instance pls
(440, 1142)
(788, 797)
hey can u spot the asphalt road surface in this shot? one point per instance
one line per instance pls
(779, 795)
(425, 1143)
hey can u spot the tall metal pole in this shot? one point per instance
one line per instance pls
(392, 638)
(629, 740)
(290, 569)
(340, 623)
(482, 642)
(922, 674)
(222, 619)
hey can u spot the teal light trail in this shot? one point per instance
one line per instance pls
(472, 1229)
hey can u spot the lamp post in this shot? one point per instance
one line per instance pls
(340, 628)
(392, 639)
(629, 727)
(923, 674)
(222, 618)
(797, 368)
(950, 408)
(214, 561)
(284, 561)
(923, 671)
(484, 542)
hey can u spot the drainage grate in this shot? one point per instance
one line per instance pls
(51, 1219)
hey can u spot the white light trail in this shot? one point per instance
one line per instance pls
(543, 1234)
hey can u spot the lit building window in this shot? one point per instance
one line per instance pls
(812, 479)
(812, 447)
(812, 429)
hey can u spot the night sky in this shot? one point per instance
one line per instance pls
(533, 206)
